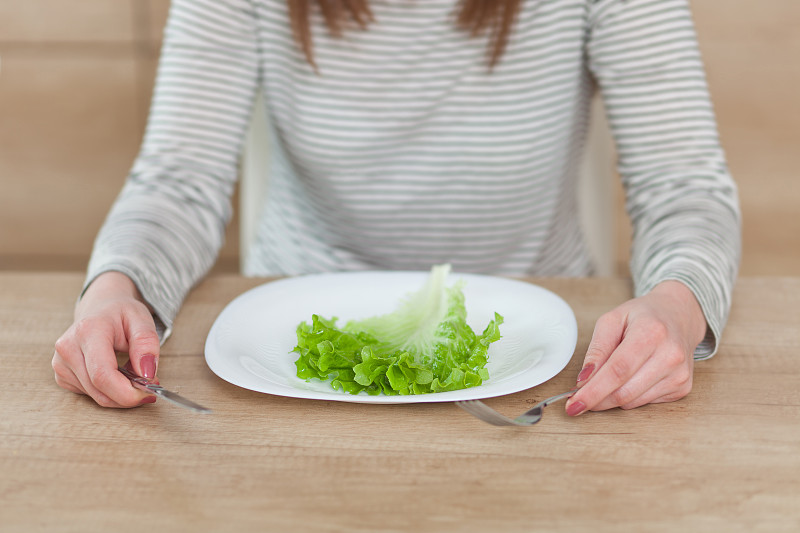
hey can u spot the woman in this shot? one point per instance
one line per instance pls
(412, 133)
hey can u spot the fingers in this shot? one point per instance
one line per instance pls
(64, 376)
(610, 378)
(110, 317)
(670, 389)
(611, 360)
(143, 343)
(71, 374)
(96, 340)
(85, 363)
(129, 367)
(641, 352)
(664, 375)
(645, 367)
(606, 337)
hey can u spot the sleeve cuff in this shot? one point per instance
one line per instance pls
(163, 311)
(715, 318)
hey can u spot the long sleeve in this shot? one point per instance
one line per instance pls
(681, 199)
(167, 225)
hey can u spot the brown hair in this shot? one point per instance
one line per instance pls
(476, 16)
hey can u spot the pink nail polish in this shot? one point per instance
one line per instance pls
(586, 372)
(148, 399)
(148, 366)
(576, 408)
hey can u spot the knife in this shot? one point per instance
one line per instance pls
(160, 391)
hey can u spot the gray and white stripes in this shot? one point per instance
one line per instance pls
(404, 151)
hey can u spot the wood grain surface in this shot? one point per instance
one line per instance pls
(726, 458)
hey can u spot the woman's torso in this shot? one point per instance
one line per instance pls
(404, 150)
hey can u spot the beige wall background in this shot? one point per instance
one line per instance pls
(76, 78)
(75, 87)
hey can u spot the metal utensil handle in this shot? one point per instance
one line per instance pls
(161, 392)
(557, 397)
(144, 382)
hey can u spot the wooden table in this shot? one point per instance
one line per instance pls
(725, 459)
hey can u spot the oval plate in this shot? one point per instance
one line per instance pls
(250, 344)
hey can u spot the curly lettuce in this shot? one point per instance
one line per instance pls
(424, 346)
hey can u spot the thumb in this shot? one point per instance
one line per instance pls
(143, 344)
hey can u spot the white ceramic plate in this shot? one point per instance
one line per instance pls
(250, 344)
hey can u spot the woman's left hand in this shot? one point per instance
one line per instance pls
(641, 352)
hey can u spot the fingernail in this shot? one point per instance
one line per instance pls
(148, 366)
(576, 408)
(586, 372)
(148, 399)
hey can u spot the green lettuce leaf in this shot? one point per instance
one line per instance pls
(424, 346)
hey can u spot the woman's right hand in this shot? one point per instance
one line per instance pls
(110, 317)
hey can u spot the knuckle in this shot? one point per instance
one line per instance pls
(657, 332)
(144, 337)
(129, 400)
(674, 358)
(678, 392)
(60, 381)
(104, 401)
(674, 397)
(66, 347)
(62, 344)
(622, 396)
(605, 337)
(68, 386)
(103, 381)
(100, 378)
(65, 358)
(593, 353)
(60, 370)
(685, 386)
(620, 370)
(610, 317)
(684, 377)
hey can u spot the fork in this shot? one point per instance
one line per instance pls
(480, 410)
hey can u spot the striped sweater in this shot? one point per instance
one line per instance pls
(404, 150)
